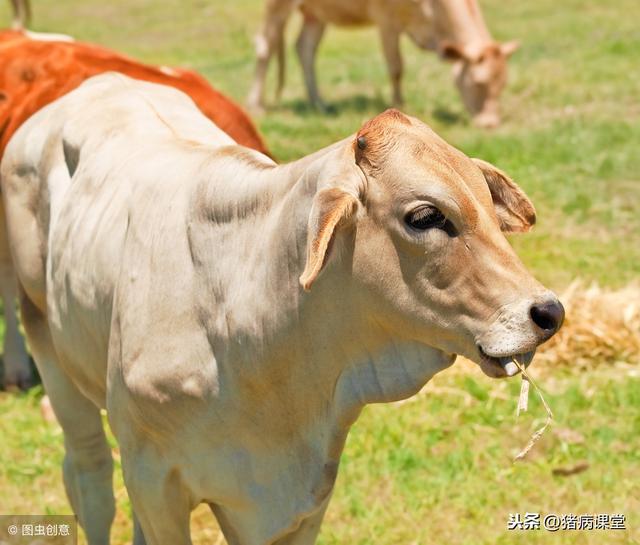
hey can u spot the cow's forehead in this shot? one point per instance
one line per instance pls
(416, 158)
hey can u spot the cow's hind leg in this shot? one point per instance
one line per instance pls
(88, 465)
(307, 46)
(269, 40)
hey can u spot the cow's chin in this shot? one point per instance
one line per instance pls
(503, 366)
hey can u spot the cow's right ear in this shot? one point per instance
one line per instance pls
(514, 210)
(332, 209)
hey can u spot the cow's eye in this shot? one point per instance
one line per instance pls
(426, 217)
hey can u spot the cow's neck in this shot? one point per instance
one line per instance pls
(301, 365)
(319, 341)
(460, 22)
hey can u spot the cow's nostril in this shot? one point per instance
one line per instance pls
(548, 316)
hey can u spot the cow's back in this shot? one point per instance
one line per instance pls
(359, 12)
(111, 160)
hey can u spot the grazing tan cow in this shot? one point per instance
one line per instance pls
(234, 316)
(34, 71)
(455, 28)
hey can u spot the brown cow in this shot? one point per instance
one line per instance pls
(34, 73)
(455, 28)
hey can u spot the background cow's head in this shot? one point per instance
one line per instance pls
(480, 72)
(420, 230)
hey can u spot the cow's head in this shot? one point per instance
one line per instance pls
(427, 256)
(480, 72)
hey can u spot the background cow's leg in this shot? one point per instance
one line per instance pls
(88, 465)
(21, 13)
(270, 39)
(307, 46)
(16, 23)
(391, 47)
(160, 502)
(17, 369)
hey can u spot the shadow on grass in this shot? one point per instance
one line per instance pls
(449, 117)
(361, 104)
(353, 104)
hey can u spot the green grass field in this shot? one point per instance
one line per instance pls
(436, 469)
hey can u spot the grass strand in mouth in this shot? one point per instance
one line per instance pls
(523, 400)
(522, 406)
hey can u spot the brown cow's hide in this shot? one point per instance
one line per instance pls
(34, 73)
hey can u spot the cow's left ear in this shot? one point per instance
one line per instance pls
(332, 209)
(514, 210)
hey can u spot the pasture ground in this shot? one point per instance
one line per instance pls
(435, 469)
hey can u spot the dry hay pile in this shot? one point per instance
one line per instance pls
(601, 326)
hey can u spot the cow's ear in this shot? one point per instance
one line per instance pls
(509, 48)
(332, 209)
(514, 210)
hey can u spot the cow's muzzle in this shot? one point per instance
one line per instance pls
(512, 339)
(486, 120)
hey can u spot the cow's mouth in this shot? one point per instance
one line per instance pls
(504, 366)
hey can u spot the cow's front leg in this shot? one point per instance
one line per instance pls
(307, 532)
(138, 534)
(160, 501)
(391, 47)
(307, 46)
